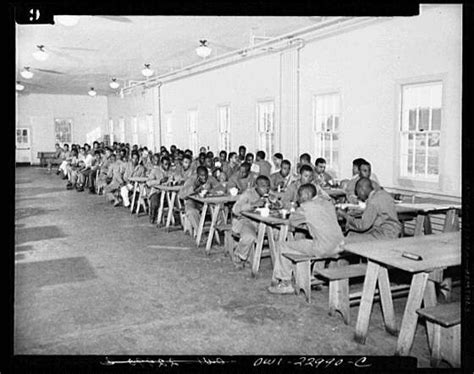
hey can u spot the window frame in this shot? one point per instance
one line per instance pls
(194, 148)
(71, 123)
(269, 152)
(331, 165)
(226, 133)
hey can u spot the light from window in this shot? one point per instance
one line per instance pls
(134, 130)
(111, 131)
(224, 128)
(326, 121)
(169, 128)
(266, 126)
(150, 132)
(192, 127)
(63, 130)
(122, 129)
(420, 130)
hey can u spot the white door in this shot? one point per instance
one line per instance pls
(23, 146)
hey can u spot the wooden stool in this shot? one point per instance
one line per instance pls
(446, 338)
(339, 298)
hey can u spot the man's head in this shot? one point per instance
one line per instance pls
(242, 151)
(363, 188)
(66, 147)
(97, 155)
(209, 162)
(135, 158)
(307, 174)
(123, 153)
(165, 163)
(188, 152)
(82, 150)
(95, 145)
(260, 155)
(155, 159)
(320, 165)
(233, 157)
(305, 158)
(306, 192)
(108, 152)
(365, 169)
(262, 185)
(202, 174)
(201, 158)
(187, 160)
(57, 146)
(355, 165)
(223, 156)
(202, 149)
(173, 149)
(113, 158)
(244, 170)
(87, 147)
(249, 158)
(277, 160)
(285, 168)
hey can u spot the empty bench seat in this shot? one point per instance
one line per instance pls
(303, 279)
(339, 298)
(446, 336)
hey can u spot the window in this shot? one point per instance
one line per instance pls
(169, 128)
(420, 130)
(150, 132)
(63, 130)
(111, 131)
(326, 120)
(134, 130)
(224, 128)
(192, 128)
(122, 129)
(266, 126)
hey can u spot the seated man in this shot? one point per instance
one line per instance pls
(70, 167)
(159, 175)
(243, 179)
(321, 177)
(305, 159)
(277, 160)
(290, 197)
(365, 172)
(115, 176)
(186, 170)
(222, 180)
(132, 169)
(67, 159)
(231, 167)
(104, 164)
(253, 197)
(222, 161)
(198, 182)
(73, 170)
(58, 157)
(319, 216)
(87, 176)
(379, 220)
(280, 180)
(263, 165)
(242, 153)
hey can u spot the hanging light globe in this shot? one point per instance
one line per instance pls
(147, 72)
(40, 54)
(19, 86)
(203, 50)
(26, 73)
(114, 84)
(92, 92)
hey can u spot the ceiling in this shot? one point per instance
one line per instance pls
(98, 48)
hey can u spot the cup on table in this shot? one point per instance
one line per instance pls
(203, 193)
(284, 213)
(264, 212)
(233, 191)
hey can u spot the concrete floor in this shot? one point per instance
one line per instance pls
(93, 279)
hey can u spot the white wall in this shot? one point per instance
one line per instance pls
(38, 112)
(366, 66)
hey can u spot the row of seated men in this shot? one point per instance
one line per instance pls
(110, 170)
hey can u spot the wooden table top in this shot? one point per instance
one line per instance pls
(437, 251)
(273, 218)
(138, 179)
(215, 199)
(335, 192)
(165, 187)
(429, 207)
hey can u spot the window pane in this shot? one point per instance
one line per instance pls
(329, 123)
(423, 123)
(25, 132)
(433, 140)
(411, 144)
(433, 161)
(412, 120)
(436, 119)
(420, 141)
(336, 123)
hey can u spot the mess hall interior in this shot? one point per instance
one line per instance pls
(240, 186)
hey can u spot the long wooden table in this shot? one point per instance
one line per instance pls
(216, 203)
(266, 225)
(438, 252)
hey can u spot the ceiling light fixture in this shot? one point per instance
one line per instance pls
(203, 50)
(114, 84)
(147, 72)
(26, 73)
(40, 54)
(67, 20)
(19, 86)
(92, 92)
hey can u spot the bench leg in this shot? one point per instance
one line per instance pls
(453, 346)
(257, 254)
(386, 301)
(339, 299)
(436, 347)
(229, 243)
(303, 278)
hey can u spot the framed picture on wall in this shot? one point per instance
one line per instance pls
(63, 130)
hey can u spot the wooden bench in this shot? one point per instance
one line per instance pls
(45, 156)
(229, 237)
(446, 337)
(302, 270)
(339, 298)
